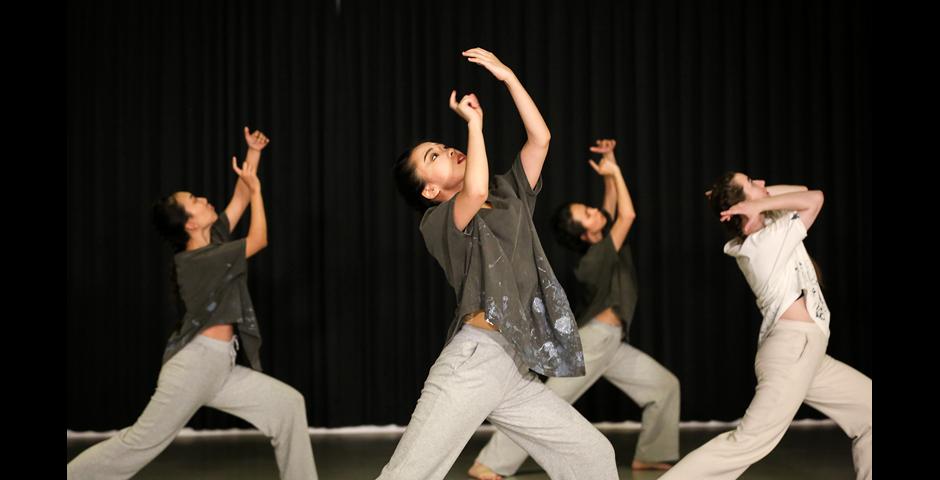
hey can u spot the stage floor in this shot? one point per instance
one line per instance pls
(806, 453)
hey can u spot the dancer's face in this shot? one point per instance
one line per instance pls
(590, 218)
(440, 167)
(201, 212)
(753, 189)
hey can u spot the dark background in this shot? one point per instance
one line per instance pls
(353, 310)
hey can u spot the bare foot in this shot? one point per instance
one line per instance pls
(482, 472)
(638, 465)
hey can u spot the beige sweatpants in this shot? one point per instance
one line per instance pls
(792, 367)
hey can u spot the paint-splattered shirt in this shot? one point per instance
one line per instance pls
(214, 288)
(497, 265)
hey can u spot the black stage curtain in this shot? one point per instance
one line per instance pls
(353, 309)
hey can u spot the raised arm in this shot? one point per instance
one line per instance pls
(606, 148)
(476, 179)
(775, 190)
(625, 212)
(236, 206)
(258, 230)
(806, 203)
(537, 134)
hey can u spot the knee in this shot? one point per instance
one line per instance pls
(606, 451)
(670, 385)
(294, 401)
(600, 449)
(862, 431)
(862, 423)
(667, 389)
(290, 403)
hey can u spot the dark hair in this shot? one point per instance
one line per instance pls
(169, 219)
(723, 195)
(568, 232)
(408, 183)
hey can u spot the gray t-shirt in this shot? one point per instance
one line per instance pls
(608, 279)
(213, 285)
(497, 265)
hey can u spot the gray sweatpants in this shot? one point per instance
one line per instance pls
(204, 373)
(477, 376)
(643, 379)
(792, 368)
